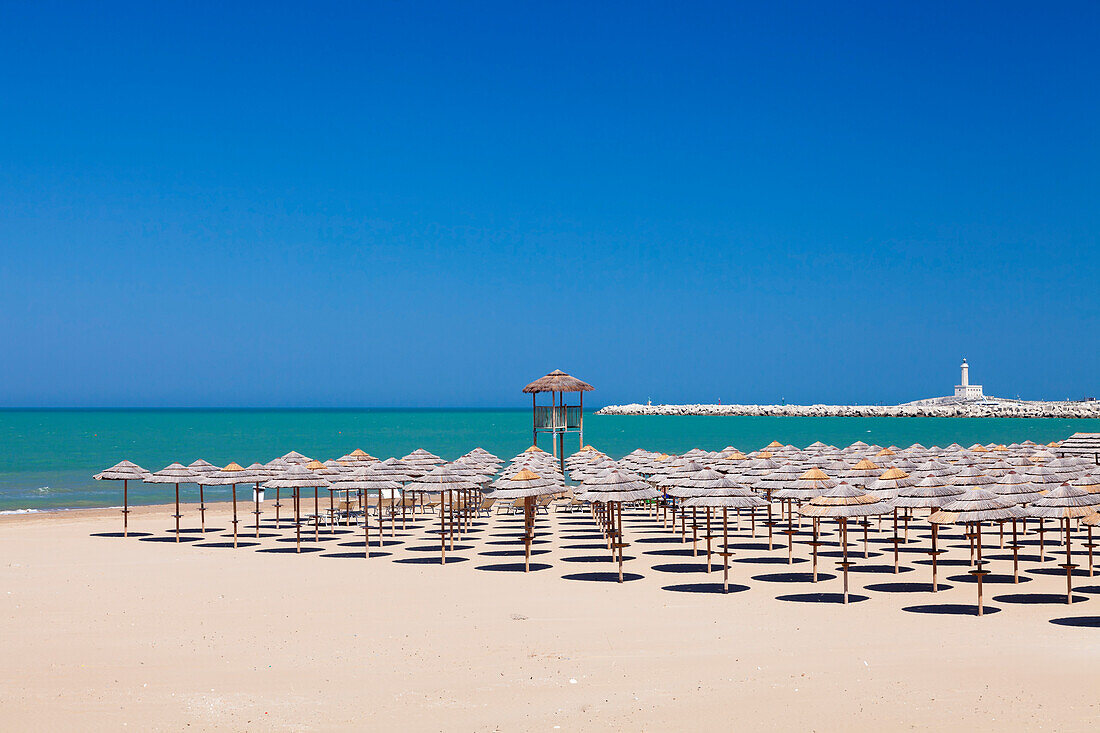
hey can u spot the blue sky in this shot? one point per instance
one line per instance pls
(391, 204)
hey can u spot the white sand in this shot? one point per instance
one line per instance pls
(102, 632)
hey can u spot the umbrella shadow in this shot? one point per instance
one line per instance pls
(591, 546)
(225, 544)
(119, 534)
(792, 577)
(1083, 622)
(658, 540)
(512, 567)
(905, 587)
(879, 569)
(435, 548)
(434, 560)
(711, 588)
(358, 555)
(1088, 589)
(1058, 599)
(511, 553)
(764, 560)
(1060, 572)
(951, 609)
(516, 539)
(685, 567)
(684, 552)
(595, 558)
(290, 550)
(821, 598)
(182, 539)
(602, 577)
(991, 578)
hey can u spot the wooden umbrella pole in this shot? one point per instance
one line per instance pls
(813, 524)
(256, 501)
(177, 512)
(278, 503)
(725, 551)
(331, 510)
(979, 539)
(366, 534)
(769, 520)
(1090, 550)
(866, 524)
(844, 564)
(896, 538)
(528, 531)
(381, 527)
(1015, 555)
(442, 533)
(935, 549)
(202, 510)
(617, 508)
(316, 516)
(1069, 567)
(297, 520)
(393, 516)
(234, 515)
(125, 507)
(694, 530)
(708, 539)
(451, 518)
(1042, 544)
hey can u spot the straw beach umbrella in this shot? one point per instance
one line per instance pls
(123, 471)
(443, 480)
(929, 493)
(1065, 503)
(296, 477)
(201, 469)
(610, 490)
(843, 503)
(175, 473)
(524, 485)
(725, 497)
(261, 474)
(972, 508)
(233, 474)
(367, 478)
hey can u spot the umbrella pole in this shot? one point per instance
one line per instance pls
(769, 520)
(234, 515)
(442, 532)
(907, 526)
(694, 531)
(451, 519)
(177, 512)
(278, 504)
(256, 500)
(126, 507)
(725, 551)
(381, 528)
(366, 534)
(866, 524)
(752, 520)
(316, 516)
(708, 539)
(202, 510)
(297, 520)
(895, 540)
(683, 526)
(813, 524)
(528, 530)
(935, 554)
(1042, 546)
(844, 564)
(617, 509)
(1015, 555)
(1090, 550)
(980, 573)
(1069, 567)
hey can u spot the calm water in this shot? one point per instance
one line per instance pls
(47, 458)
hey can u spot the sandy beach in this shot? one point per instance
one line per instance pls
(102, 632)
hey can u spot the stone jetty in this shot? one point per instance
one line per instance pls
(939, 407)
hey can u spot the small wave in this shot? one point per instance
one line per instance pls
(43, 490)
(20, 511)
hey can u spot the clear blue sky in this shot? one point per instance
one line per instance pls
(389, 204)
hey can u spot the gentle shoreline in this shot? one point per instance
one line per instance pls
(990, 408)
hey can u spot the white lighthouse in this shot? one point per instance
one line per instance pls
(965, 390)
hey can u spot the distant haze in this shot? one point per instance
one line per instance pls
(431, 204)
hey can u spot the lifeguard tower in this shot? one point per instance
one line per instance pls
(557, 418)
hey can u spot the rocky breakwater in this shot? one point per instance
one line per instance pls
(929, 408)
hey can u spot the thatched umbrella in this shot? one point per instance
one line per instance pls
(296, 477)
(887, 486)
(275, 467)
(329, 473)
(725, 497)
(972, 508)
(443, 480)
(1021, 491)
(811, 483)
(524, 485)
(367, 478)
(1091, 521)
(694, 480)
(123, 471)
(175, 473)
(843, 503)
(232, 474)
(610, 490)
(1065, 503)
(928, 493)
(201, 469)
(262, 473)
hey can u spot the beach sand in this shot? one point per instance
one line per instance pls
(101, 632)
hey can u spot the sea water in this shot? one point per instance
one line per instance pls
(48, 457)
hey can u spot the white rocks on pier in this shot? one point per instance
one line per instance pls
(944, 407)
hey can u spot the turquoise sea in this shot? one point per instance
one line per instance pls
(47, 457)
